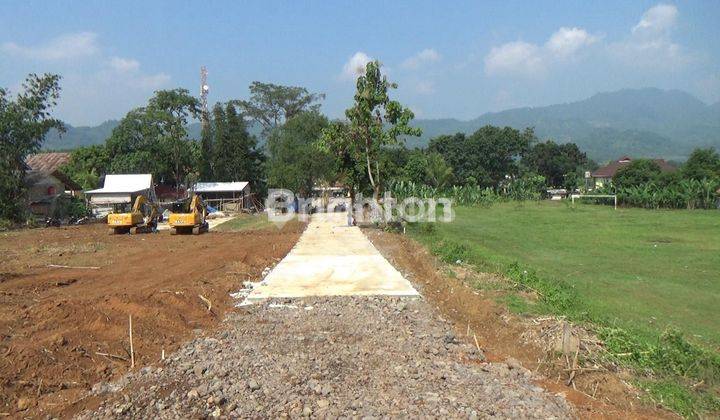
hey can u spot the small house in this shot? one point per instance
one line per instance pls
(605, 174)
(45, 182)
(224, 196)
(120, 191)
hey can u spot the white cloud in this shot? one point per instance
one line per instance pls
(63, 47)
(154, 81)
(425, 87)
(657, 19)
(516, 58)
(96, 86)
(567, 41)
(528, 59)
(124, 65)
(355, 66)
(428, 55)
(649, 44)
(126, 71)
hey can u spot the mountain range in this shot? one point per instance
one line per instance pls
(646, 122)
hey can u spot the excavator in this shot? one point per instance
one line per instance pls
(142, 218)
(189, 216)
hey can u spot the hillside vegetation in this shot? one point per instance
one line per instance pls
(636, 122)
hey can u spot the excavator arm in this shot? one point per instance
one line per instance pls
(136, 221)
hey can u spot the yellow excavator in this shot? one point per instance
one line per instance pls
(189, 216)
(142, 218)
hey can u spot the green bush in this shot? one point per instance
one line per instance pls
(681, 194)
(5, 224)
(451, 252)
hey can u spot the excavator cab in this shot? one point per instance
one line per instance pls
(189, 216)
(142, 217)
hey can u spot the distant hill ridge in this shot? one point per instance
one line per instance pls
(645, 122)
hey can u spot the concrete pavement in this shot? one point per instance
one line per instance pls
(332, 259)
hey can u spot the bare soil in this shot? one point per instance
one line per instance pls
(64, 329)
(503, 336)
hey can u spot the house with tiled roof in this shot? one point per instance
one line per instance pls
(45, 181)
(603, 175)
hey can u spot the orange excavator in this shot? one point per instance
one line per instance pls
(142, 218)
(189, 216)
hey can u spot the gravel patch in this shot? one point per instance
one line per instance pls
(364, 357)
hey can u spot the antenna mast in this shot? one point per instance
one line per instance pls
(204, 89)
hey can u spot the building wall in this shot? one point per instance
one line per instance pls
(45, 188)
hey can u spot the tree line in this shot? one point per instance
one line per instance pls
(365, 151)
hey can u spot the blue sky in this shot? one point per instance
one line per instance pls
(450, 59)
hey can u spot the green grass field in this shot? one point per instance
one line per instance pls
(245, 222)
(646, 281)
(642, 269)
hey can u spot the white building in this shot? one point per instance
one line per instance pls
(119, 191)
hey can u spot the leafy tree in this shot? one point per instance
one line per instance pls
(294, 162)
(237, 157)
(437, 172)
(172, 108)
(428, 169)
(636, 173)
(24, 123)
(558, 163)
(702, 163)
(271, 105)
(392, 161)
(336, 140)
(376, 121)
(487, 156)
(153, 139)
(87, 165)
(206, 151)
(415, 167)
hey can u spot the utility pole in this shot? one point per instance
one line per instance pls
(204, 89)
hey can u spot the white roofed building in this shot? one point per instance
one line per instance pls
(118, 190)
(225, 196)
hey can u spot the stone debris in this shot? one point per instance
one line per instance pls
(360, 357)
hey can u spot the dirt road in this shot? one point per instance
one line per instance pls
(333, 355)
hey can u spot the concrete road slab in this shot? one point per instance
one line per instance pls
(332, 259)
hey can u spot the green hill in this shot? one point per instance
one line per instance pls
(637, 122)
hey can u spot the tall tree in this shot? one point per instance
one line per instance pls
(487, 156)
(558, 163)
(702, 163)
(237, 157)
(376, 121)
(154, 138)
(336, 140)
(271, 105)
(172, 108)
(294, 162)
(206, 151)
(87, 165)
(24, 123)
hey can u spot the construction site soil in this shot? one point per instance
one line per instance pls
(67, 294)
(595, 390)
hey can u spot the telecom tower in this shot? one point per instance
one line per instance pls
(204, 89)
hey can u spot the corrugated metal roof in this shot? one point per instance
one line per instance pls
(124, 184)
(220, 186)
(47, 162)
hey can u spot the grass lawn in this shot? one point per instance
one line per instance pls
(642, 269)
(245, 222)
